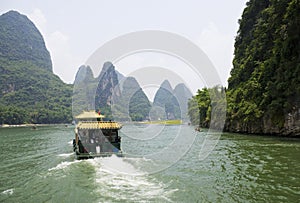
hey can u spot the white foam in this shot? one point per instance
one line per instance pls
(70, 143)
(8, 192)
(120, 180)
(116, 165)
(66, 154)
(63, 165)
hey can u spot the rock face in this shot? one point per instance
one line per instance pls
(119, 100)
(166, 102)
(107, 88)
(22, 41)
(264, 87)
(125, 100)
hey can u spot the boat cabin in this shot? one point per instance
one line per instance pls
(95, 137)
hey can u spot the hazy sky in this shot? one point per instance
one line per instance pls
(73, 30)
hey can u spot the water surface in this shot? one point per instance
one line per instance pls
(39, 166)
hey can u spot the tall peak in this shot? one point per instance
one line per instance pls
(20, 40)
(166, 85)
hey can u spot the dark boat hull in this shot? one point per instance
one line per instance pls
(93, 143)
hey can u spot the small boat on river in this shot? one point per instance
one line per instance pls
(95, 137)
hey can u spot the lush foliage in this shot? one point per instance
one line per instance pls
(264, 86)
(133, 104)
(21, 41)
(29, 91)
(201, 105)
(264, 82)
(30, 94)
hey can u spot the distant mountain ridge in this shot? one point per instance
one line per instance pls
(124, 99)
(119, 100)
(172, 103)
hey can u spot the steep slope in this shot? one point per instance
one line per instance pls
(165, 101)
(107, 89)
(84, 91)
(135, 100)
(264, 87)
(123, 102)
(21, 41)
(29, 91)
(183, 94)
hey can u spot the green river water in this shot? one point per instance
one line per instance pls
(161, 164)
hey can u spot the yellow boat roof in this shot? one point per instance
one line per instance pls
(99, 125)
(89, 114)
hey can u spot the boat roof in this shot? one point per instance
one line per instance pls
(99, 125)
(89, 114)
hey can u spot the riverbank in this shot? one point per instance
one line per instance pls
(33, 125)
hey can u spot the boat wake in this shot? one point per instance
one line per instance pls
(118, 180)
(66, 154)
(63, 165)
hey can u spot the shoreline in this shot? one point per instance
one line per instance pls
(32, 125)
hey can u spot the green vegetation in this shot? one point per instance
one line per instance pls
(29, 91)
(264, 87)
(200, 106)
(21, 41)
(84, 91)
(133, 104)
(139, 106)
(32, 95)
(165, 99)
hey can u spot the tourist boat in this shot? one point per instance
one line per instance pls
(95, 137)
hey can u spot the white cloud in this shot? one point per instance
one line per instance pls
(219, 48)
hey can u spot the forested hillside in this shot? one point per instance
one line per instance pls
(165, 103)
(29, 91)
(133, 101)
(263, 94)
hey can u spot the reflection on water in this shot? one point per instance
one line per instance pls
(39, 166)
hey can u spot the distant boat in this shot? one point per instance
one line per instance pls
(95, 137)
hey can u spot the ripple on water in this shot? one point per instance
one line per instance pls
(8, 192)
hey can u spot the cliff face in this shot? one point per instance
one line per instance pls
(119, 100)
(264, 88)
(107, 88)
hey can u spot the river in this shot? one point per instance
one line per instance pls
(161, 164)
